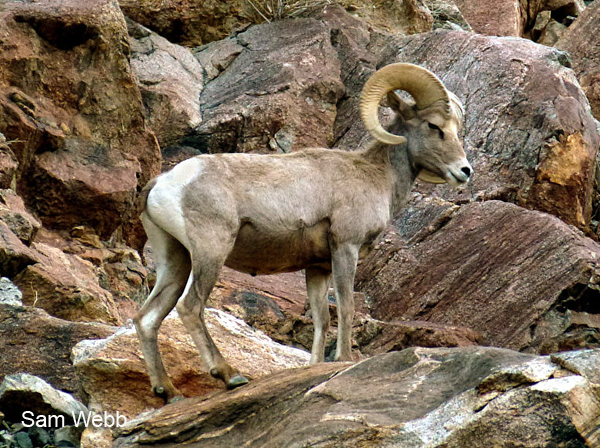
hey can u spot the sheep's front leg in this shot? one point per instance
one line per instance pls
(344, 260)
(317, 285)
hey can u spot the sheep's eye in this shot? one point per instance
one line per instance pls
(437, 128)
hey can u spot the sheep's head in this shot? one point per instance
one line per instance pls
(429, 127)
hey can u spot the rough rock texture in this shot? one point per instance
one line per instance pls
(582, 41)
(14, 214)
(493, 17)
(513, 17)
(272, 304)
(170, 79)
(278, 94)
(66, 286)
(375, 337)
(113, 372)
(528, 132)
(24, 392)
(474, 396)
(189, 22)
(80, 138)
(14, 254)
(34, 342)
(8, 165)
(447, 15)
(401, 17)
(523, 279)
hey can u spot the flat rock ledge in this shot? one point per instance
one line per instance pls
(418, 397)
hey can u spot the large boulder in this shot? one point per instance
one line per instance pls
(23, 392)
(513, 17)
(113, 373)
(16, 216)
(582, 41)
(34, 342)
(279, 93)
(14, 254)
(523, 279)
(80, 138)
(528, 131)
(66, 286)
(170, 79)
(474, 396)
(190, 22)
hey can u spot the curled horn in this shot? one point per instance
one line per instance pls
(424, 86)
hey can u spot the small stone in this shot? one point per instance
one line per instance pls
(39, 436)
(68, 436)
(23, 440)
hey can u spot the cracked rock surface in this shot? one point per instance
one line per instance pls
(454, 397)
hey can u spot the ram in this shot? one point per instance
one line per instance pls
(318, 209)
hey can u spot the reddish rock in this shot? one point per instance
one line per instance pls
(494, 17)
(518, 277)
(39, 344)
(80, 138)
(190, 22)
(513, 17)
(14, 255)
(582, 41)
(375, 337)
(416, 398)
(8, 166)
(279, 94)
(14, 214)
(66, 286)
(528, 131)
(113, 372)
(405, 17)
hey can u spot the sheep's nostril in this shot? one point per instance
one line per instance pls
(466, 170)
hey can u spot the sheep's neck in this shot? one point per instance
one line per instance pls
(403, 174)
(405, 178)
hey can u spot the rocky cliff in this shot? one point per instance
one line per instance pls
(477, 314)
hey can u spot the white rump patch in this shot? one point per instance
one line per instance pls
(164, 200)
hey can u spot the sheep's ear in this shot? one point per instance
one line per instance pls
(401, 107)
(430, 178)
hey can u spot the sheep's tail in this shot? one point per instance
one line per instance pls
(143, 196)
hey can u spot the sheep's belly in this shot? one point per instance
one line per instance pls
(259, 252)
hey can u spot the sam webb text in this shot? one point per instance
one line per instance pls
(86, 419)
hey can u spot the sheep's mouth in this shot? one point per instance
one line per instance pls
(456, 180)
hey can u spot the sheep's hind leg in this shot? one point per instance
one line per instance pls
(205, 272)
(344, 259)
(173, 267)
(317, 285)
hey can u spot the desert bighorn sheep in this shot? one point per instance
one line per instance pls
(316, 209)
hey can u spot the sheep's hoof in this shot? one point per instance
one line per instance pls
(161, 392)
(236, 381)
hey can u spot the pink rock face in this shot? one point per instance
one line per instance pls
(114, 375)
(35, 342)
(66, 286)
(279, 94)
(508, 273)
(512, 17)
(494, 17)
(582, 41)
(71, 105)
